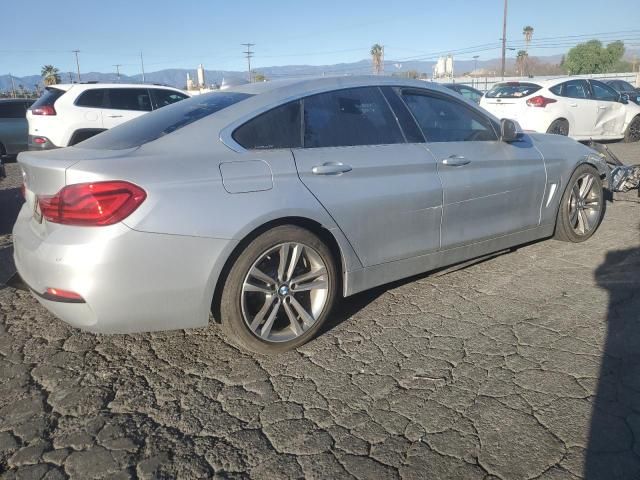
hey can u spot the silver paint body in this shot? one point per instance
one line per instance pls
(400, 211)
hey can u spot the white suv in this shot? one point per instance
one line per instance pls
(67, 114)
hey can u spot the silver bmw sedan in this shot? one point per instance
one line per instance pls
(265, 203)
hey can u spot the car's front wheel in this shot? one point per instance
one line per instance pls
(581, 207)
(279, 291)
(633, 131)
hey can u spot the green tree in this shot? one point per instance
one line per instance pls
(528, 34)
(50, 75)
(592, 57)
(377, 54)
(259, 77)
(521, 61)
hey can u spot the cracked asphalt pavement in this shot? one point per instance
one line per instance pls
(525, 366)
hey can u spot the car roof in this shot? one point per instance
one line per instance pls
(307, 86)
(67, 86)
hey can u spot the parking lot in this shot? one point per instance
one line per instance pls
(523, 366)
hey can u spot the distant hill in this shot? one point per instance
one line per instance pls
(177, 77)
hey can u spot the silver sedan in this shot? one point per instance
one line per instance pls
(266, 203)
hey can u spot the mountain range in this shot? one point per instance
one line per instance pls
(177, 76)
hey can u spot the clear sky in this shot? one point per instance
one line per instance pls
(183, 34)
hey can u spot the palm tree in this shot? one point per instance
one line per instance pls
(377, 57)
(528, 34)
(521, 61)
(50, 75)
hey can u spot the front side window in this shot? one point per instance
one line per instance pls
(277, 128)
(443, 120)
(604, 92)
(575, 89)
(162, 98)
(357, 116)
(129, 99)
(95, 98)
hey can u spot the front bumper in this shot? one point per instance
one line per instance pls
(131, 281)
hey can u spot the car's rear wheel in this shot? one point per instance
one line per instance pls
(633, 131)
(559, 127)
(279, 291)
(581, 207)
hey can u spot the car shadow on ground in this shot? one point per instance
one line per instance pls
(10, 202)
(613, 450)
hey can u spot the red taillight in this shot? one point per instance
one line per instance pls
(92, 204)
(43, 110)
(57, 294)
(540, 101)
(39, 140)
(23, 191)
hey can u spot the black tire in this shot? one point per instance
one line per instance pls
(632, 133)
(559, 127)
(233, 321)
(566, 229)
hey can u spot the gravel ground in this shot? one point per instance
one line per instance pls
(524, 366)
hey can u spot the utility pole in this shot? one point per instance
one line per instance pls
(142, 65)
(13, 85)
(248, 54)
(475, 63)
(118, 65)
(77, 63)
(504, 37)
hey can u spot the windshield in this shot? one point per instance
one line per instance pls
(512, 90)
(163, 121)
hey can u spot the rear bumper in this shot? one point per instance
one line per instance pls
(131, 281)
(43, 144)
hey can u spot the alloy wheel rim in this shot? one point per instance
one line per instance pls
(285, 292)
(584, 205)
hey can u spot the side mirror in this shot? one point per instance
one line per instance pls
(510, 130)
(624, 98)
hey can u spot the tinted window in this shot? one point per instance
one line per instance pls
(162, 122)
(575, 89)
(162, 98)
(409, 126)
(277, 128)
(556, 89)
(12, 110)
(93, 98)
(49, 97)
(602, 91)
(512, 90)
(443, 120)
(358, 116)
(129, 99)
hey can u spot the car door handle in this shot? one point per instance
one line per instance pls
(455, 161)
(114, 116)
(573, 104)
(601, 107)
(331, 168)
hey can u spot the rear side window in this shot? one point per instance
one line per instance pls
(277, 128)
(164, 121)
(162, 98)
(129, 99)
(357, 116)
(95, 98)
(512, 90)
(48, 98)
(12, 110)
(575, 89)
